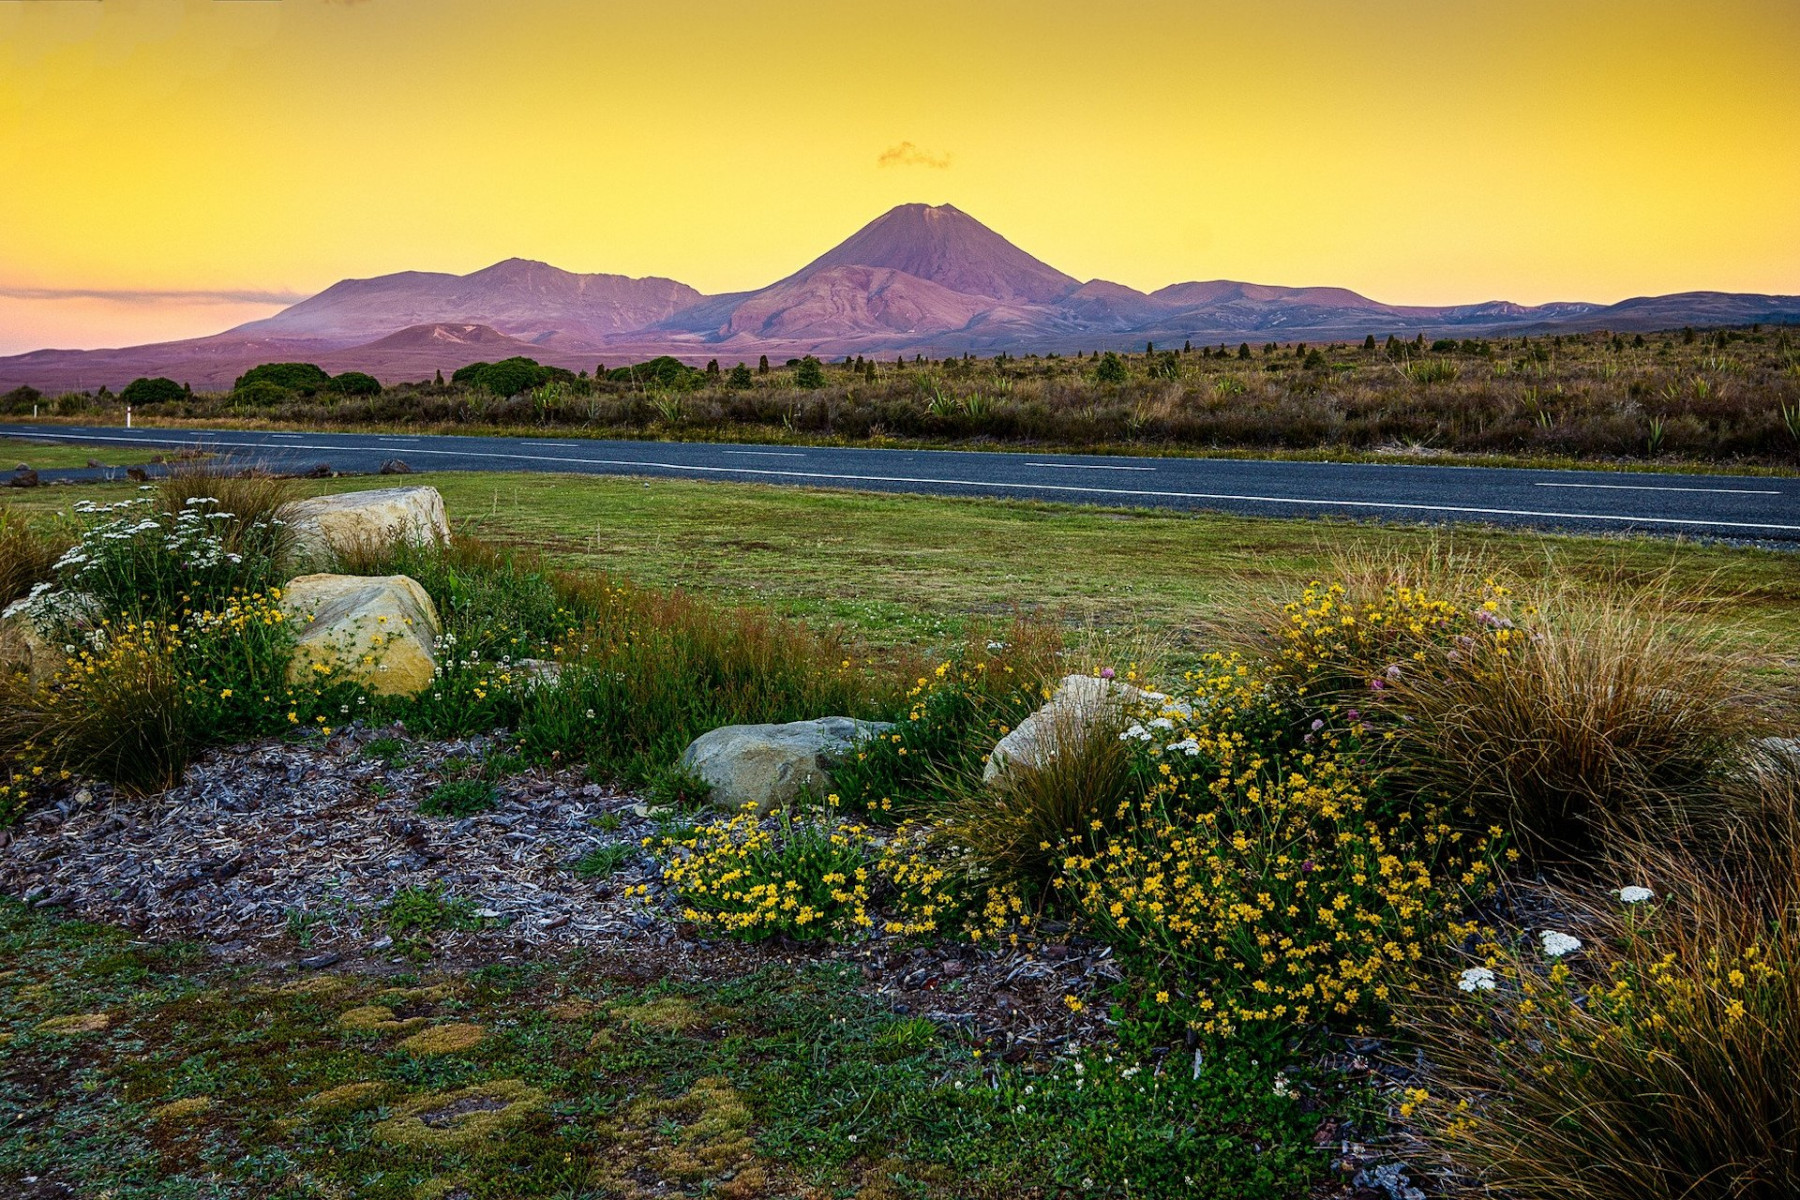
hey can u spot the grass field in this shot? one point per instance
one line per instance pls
(912, 569)
(47, 456)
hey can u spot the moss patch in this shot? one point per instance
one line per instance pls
(378, 1018)
(460, 1119)
(345, 1097)
(700, 1138)
(444, 1039)
(77, 1024)
(179, 1110)
(673, 1014)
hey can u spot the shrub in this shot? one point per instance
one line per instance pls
(807, 878)
(261, 394)
(21, 399)
(740, 377)
(159, 390)
(662, 372)
(1254, 887)
(460, 798)
(810, 374)
(139, 698)
(954, 715)
(304, 378)
(509, 377)
(1111, 369)
(354, 383)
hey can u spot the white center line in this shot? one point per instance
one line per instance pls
(1645, 487)
(1087, 467)
(551, 445)
(763, 453)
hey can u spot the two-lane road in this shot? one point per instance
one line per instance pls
(1737, 507)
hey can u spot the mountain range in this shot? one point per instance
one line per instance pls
(920, 279)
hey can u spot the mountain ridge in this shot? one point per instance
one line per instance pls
(919, 279)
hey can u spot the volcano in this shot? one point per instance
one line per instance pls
(919, 279)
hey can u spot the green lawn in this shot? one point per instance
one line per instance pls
(909, 569)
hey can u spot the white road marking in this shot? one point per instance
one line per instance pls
(763, 453)
(1087, 467)
(551, 445)
(1645, 487)
(1138, 493)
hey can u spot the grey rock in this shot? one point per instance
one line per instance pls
(1077, 704)
(768, 766)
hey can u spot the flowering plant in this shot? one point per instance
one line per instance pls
(1262, 885)
(135, 559)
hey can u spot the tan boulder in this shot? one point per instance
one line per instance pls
(360, 522)
(28, 630)
(376, 630)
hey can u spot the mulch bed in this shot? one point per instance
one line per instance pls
(283, 854)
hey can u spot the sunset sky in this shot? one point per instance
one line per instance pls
(174, 167)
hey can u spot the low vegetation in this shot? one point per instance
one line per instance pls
(1523, 844)
(1726, 395)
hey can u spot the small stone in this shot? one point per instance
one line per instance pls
(318, 962)
(381, 943)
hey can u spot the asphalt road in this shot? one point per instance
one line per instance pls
(1718, 506)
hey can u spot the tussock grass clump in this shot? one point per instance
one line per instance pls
(1559, 715)
(27, 557)
(253, 500)
(1658, 1061)
(1606, 715)
(1019, 826)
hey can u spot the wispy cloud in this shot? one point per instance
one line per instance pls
(153, 296)
(905, 154)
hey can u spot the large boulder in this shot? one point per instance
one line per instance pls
(1079, 703)
(769, 765)
(361, 522)
(376, 630)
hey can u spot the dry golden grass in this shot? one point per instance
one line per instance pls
(1668, 1064)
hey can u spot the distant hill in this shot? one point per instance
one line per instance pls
(919, 279)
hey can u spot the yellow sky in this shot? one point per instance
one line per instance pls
(185, 156)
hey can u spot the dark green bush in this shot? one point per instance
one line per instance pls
(660, 372)
(304, 378)
(508, 377)
(159, 390)
(809, 374)
(355, 383)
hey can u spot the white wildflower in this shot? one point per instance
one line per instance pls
(1558, 944)
(1636, 895)
(1476, 979)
